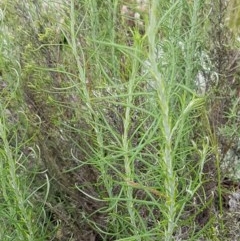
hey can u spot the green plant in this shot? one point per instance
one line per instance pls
(121, 143)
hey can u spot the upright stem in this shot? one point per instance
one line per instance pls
(165, 124)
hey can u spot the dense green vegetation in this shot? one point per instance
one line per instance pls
(119, 120)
